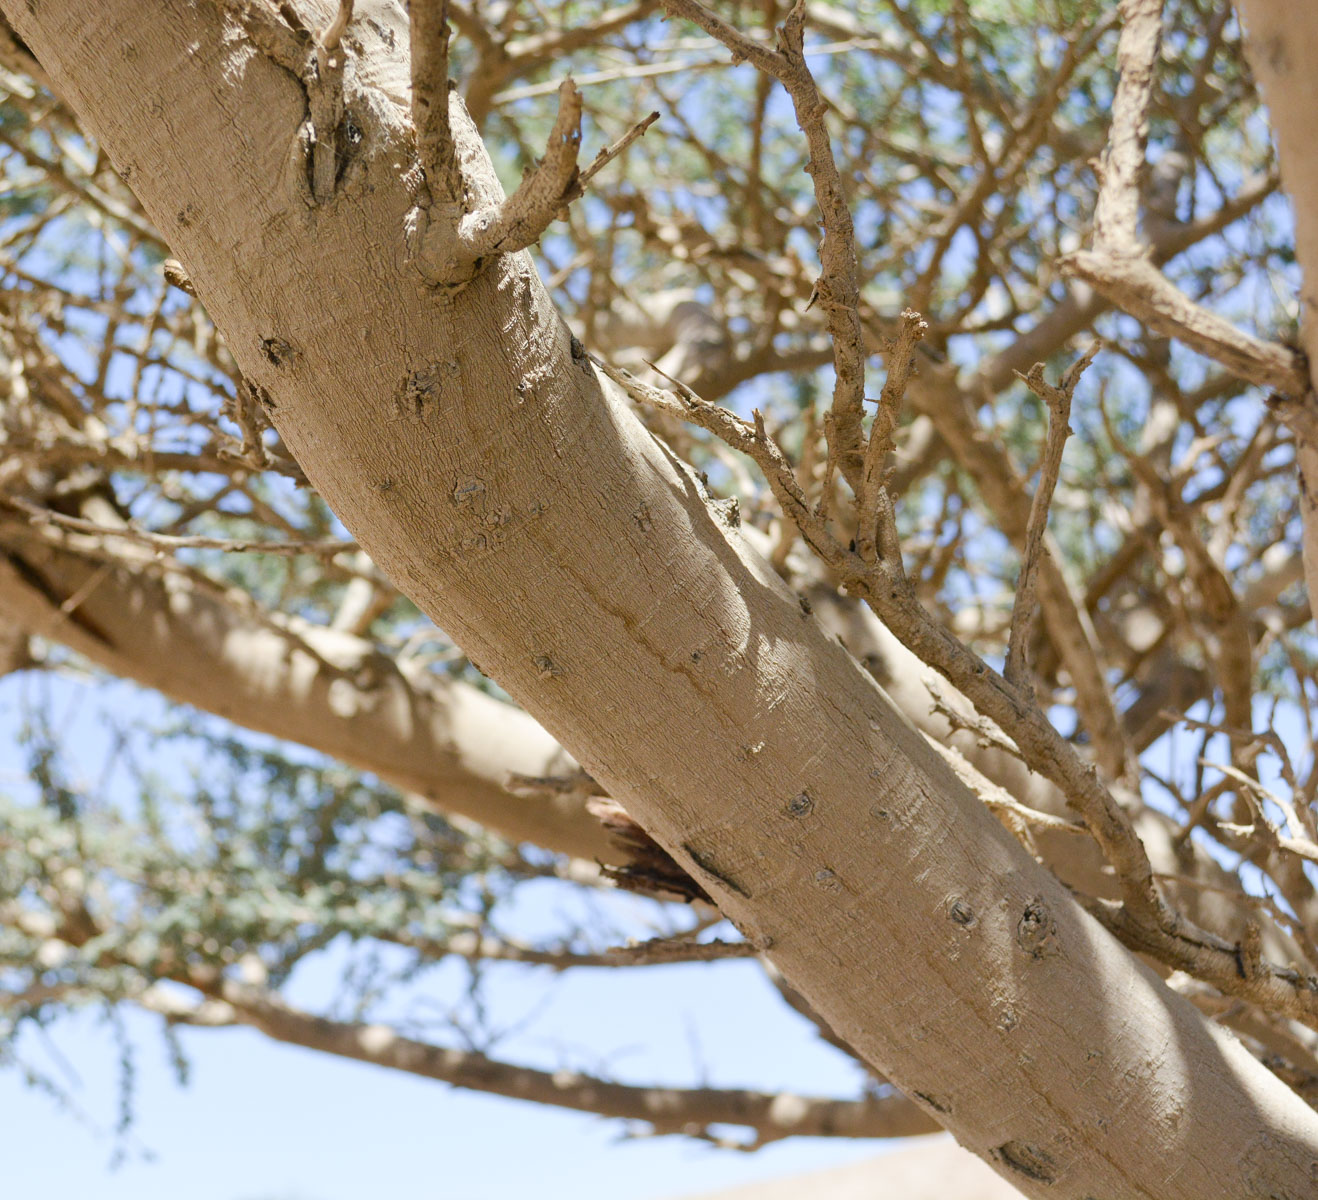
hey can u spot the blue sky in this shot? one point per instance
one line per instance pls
(264, 1121)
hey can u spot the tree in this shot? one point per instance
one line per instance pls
(386, 338)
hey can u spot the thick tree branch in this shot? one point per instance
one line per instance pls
(1143, 920)
(1134, 285)
(1281, 41)
(508, 519)
(442, 740)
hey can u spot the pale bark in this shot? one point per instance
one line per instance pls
(1281, 40)
(442, 740)
(565, 550)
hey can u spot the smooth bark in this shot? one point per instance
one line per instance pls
(442, 740)
(475, 457)
(1282, 43)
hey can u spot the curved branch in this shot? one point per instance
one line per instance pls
(666, 1110)
(443, 740)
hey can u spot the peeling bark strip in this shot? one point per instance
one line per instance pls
(205, 123)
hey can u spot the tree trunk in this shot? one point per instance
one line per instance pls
(466, 442)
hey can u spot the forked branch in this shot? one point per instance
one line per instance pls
(455, 244)
(1120, 266)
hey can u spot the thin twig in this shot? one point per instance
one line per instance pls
(998, 799)
(670, 67)
(1024, 610)
(660, 950)
(609, 153)
(519, 220)
(744, 49)
(837, 291)
(1298, 841)
(169, 542)
(875, 474)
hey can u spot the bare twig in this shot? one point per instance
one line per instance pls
(247, 413)
(454, 250)
(875, 474)
(519, 220)
(837, 290)
(609, 153)
(168, 542)
(999, 799)
(1297, 841)
(329, 40)
(987, 735)
(665, 1110)
(661, 950)
(670, 67)
(751, 439)
(1024, 610)
(744, 49)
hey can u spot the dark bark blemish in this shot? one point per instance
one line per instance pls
(800, 805)
(277, 352)
(938, 1106)
(1027, 1160)
(1036, 931)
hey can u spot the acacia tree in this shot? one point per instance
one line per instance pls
(695, 604)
